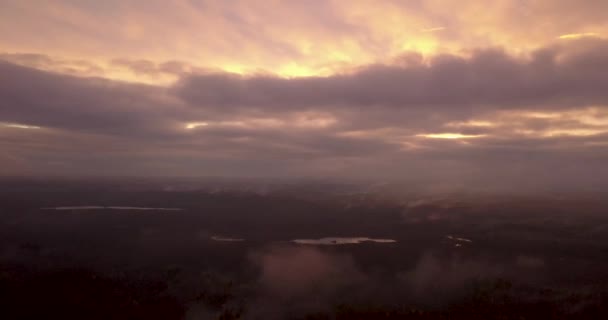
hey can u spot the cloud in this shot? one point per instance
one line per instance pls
(291, 38)
(294, 271)
(298, 280)
(551, 78)
(446, 278)
(80, 67)
(507, 116)
(44, 99)
(303, 278)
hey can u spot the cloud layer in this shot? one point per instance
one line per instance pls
(482, 117)
(288, 38)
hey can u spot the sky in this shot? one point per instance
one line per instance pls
(456, 92)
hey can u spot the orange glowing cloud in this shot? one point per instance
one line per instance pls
(287, 38)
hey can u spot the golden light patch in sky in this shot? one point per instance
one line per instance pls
(535, 114)
(593, 116)
(578, 35)
(300, 120)
(542, 124)
(194, 125)
(389, 134)
(471, 123)
(450, 136)
(572, 132)
(293, 70)
(19, 126)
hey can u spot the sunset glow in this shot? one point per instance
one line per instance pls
(322, 87)
(449, 136)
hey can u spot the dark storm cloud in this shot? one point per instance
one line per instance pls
(301, 141)
(364, 123)
(45, 62)
(30, 96)
(558, 77)
(447, 89)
